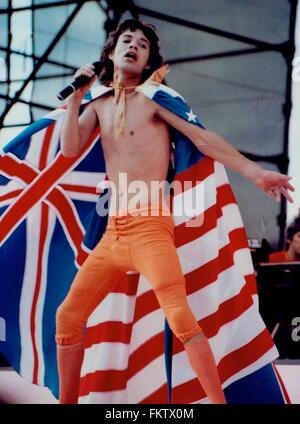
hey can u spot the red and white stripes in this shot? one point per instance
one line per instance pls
(220, 285)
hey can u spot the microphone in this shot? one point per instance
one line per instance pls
(77, 83)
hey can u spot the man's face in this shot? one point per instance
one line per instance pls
(131, 53)
(295, 243)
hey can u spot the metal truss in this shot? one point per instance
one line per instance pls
(114, 10)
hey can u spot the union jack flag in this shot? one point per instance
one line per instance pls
(49, 224)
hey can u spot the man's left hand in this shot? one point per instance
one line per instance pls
(274, 184)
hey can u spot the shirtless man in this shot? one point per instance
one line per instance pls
(141, 150)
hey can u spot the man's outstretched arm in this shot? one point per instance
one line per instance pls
(213, 145)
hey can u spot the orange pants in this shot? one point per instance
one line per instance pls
(130, 243)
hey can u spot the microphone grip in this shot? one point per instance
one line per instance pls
(73, 86)
(78, 82)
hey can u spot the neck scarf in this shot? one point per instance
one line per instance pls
(120, 99)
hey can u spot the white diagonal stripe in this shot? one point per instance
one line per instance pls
(84, 179)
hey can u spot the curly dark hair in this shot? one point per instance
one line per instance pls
(293, 229)
(155, 59)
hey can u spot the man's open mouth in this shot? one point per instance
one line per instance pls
(131, 55)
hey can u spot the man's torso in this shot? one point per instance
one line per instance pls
(140, 153)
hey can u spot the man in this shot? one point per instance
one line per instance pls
(136, 142)
(292, 254)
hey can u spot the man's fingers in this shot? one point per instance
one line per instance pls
(286, 194)
(277, 195)
(289, 186)
(279, 185)
(87, 70)
(93, 79)
(286, 183)
(289, 198)
(274, 193)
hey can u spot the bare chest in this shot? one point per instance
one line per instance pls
(143, 148)
(139, 115)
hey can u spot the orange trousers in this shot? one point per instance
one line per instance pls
(144, 244)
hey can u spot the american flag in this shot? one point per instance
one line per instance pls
(49, 224)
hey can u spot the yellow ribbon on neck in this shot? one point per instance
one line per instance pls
(120, 99)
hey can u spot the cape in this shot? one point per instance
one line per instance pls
(50, 223)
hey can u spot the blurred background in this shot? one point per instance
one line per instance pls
(237, 63)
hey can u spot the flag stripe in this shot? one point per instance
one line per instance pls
(81, 189)
(229, 365)
(209, 272)
(202, 169)
(40, 301)
(282, 386)
(159, 396)
(45, 146)
(184, 235)
(70, 220)
(10, 196)
(27, 295)
(43, 231)
(110, 331)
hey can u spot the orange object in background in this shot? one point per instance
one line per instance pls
(280, 256)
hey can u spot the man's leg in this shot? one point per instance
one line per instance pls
(154, 255)
(172, 298)
(92, 283)
(203, 363)
(69, 360)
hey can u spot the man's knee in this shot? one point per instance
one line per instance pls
(176, 282)
(170, 292)
(182, 322)
(173, 301)
(69, 326)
